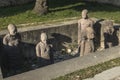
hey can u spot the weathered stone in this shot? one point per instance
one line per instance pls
(108, 34)
(41, 7)
(58, 34)
(69, 66)
(12, 38)
(85, 34)
(11, 52)
(43, 51)
(105, 25)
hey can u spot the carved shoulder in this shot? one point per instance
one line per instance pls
(5, 39)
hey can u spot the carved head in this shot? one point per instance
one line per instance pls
(12, 29)
(109, 27)
(84, 13)
(43, 37)
(90, 33)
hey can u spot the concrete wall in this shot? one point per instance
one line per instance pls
(4, 3)
(58, 34)
(113, 2)
(69, 66)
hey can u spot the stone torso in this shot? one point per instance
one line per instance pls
(84, 23)
(11, 40)
(44, 50)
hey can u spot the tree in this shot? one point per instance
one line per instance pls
(41, 7)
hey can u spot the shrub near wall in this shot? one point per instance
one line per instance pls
(4, 3)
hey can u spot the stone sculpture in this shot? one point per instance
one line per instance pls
(41, 7)
(13, 38)
(43, 51)
(85, 26)
(108, 34)
(12, 54)
(87, 45)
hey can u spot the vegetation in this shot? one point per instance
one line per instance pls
(90, 71)
(58, 9)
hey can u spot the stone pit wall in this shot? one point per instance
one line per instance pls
(58, 34)
(62, 68)
(5, 3)
(113, 2)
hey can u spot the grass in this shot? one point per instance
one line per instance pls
(59, 9)
(90, 71)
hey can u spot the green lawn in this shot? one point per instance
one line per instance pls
(91, 71)
(59, 9)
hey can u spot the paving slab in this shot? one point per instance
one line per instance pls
(111, 74)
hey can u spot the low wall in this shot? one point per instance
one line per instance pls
(68, 66)
(58, 34)
(113, 2)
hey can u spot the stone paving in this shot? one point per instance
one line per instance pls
(117, 78)
(111, 74)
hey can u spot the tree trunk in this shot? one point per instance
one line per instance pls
(40, 7)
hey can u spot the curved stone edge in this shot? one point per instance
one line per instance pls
(68, 66)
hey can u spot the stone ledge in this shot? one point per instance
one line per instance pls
(73, 20)
(68, 66)
(42, 26)
(111, 74)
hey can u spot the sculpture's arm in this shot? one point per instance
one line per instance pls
(38, 51)
(5, 41)
(92, 23)
(79, 32)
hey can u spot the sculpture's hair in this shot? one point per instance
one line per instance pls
(109, 23)
(84, 11)
(43, 34)
(11, 26)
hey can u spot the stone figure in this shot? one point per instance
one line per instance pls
(43, 51)
(12, 54)
(89, 44)
(12, 38)
(41, 7)
(83, 24)
(108, 34)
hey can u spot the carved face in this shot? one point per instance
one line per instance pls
(43, 37)
(109, 29)
(84, 14)
(12, 29)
